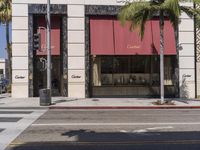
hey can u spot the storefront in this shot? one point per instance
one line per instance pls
(94, 56)
(123, 65)
(40, 58)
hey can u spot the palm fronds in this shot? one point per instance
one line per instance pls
(5, 11)
(138, 13)
(141, 11)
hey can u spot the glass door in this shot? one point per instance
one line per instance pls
(40, 75)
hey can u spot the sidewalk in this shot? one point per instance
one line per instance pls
(96, 103)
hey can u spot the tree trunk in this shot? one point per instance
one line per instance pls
(161, 57)
(8, 49)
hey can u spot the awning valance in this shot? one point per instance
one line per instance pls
(108, 37)
(101, 36)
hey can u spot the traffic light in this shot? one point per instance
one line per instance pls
(36, 41)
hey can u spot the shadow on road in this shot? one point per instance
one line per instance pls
(91, 140)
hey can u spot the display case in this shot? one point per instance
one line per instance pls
(129, 79)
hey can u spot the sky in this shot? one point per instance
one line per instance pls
(3, 41)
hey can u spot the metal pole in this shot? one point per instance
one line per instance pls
(48, 47)
(161, 57)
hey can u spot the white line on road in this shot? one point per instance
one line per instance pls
(151, 129)
(116, 124)
(160, 128)
(147, 129)
(14, 115)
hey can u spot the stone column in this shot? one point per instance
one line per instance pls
(186, 56)
(20, 50)
(76, 50)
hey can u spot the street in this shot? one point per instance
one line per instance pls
(14, 121)
(168, 129)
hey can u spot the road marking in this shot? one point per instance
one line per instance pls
(123, 131)
(116, 124)
(160, 128)
(151, 129)
(14, 115)
(140, 131)
(13, 129)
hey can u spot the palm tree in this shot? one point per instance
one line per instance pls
(5, 18)
(139, 12)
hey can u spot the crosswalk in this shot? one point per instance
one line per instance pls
(15, 121)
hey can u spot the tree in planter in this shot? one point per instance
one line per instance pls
(139, 12)
(5, 18)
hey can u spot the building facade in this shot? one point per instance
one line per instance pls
(3, 68)
(94, 56)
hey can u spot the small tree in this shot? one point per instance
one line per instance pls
(5, 18)
(139, 12)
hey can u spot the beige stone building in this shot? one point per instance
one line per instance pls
(92, 56)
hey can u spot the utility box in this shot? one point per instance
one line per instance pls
(45, 97)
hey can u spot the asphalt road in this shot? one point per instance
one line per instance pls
(112, 130)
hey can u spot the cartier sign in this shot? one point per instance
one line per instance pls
(19, 77)
(133, 46)
(75, 76)
(186, 75)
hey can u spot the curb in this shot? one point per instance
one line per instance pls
(124, 107)
(41, 108)
(104, 107)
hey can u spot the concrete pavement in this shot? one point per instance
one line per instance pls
(112, 130)
(14, 122)
(97, 103)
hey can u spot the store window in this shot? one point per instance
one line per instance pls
(140, 64)
(1, 74)
(1, 71)
(131, 70)
(106, 64)
(121, 64)
(155, 63)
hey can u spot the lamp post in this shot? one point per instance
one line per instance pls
(162, 58)
(48, 48)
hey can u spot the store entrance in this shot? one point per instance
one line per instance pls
(40, 75)
(131, 76)
(40, 56)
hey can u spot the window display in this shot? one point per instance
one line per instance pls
(131, 70)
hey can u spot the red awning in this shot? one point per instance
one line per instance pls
(129, 43)
(101, 36)
(108, 37)
(55, 35)
(169, 37)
